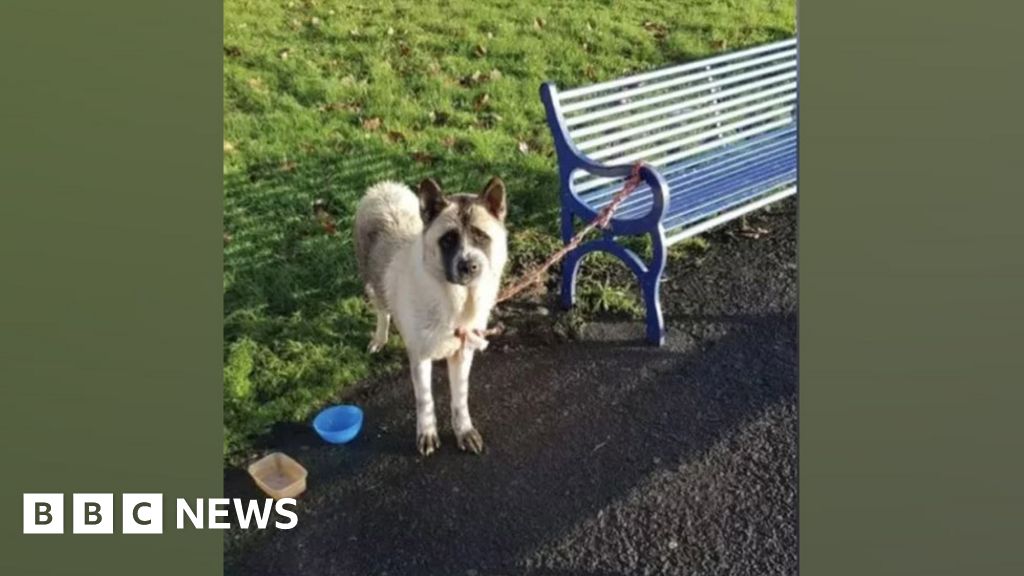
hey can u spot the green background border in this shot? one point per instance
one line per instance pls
(911, 276)
(110, 244)
(911, 281)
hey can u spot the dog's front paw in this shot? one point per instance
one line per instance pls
(427, 442)
(470, 440)
(376, 345)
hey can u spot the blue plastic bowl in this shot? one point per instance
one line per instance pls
(338, 424)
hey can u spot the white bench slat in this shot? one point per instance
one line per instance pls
(647, 76)
(595, 182)
(572, 121)
(715, 116)
(724, 156)
(731, 214)
(705, 74)
(685, 105)
(649, 155)
(690, 186)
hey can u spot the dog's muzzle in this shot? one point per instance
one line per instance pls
(464, 270)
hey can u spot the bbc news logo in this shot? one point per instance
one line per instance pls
(144, 513)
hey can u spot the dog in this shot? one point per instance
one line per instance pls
(433, 263)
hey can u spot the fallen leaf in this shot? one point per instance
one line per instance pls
(748, 230)
(538, 23)
(323, 216)
(314, 21)
(287, 166)
(343, 106)
(495, 75)
(490, 119)
(439, 117)
(371, 124)
(423, 158)
(472, 79)
(228, 147)
(658, 29)
(396, 136)
(283, 54)
(524, 147)
(391, 31)
(480, 50)
(481, 101)
(227, 238)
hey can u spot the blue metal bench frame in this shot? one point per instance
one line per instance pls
(755, 166)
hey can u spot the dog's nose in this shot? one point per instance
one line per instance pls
(468, 267)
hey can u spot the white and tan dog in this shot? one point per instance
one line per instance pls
(433, 263)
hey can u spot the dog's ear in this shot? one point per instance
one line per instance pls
(432, 200)
(493, 198)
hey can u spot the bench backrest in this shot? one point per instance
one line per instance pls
(665, 116)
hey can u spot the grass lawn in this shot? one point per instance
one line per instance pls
(323, 98)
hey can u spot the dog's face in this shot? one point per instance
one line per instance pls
(464, 237)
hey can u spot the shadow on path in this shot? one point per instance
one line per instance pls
(568, 429)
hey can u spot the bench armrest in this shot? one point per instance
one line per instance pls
(571, 159)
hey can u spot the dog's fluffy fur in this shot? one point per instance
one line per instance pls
(433, 263)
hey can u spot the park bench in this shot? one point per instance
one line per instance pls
(717, 138)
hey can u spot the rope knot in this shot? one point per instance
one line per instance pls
(602, 221)
(472, 338)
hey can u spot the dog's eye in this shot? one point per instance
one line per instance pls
(479, 236)
(449, 239)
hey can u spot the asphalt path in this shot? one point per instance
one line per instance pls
(603, 455)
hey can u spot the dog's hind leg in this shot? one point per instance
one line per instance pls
(458, 377)
(426, 422)
(380, 334)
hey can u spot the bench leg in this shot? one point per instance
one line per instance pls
(570, 268)
(649, 276)
(571, 263)
(650, 283)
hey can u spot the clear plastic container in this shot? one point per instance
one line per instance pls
(279, 476)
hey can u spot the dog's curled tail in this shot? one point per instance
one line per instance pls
(388, 216)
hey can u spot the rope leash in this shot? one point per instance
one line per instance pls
(476, 338)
